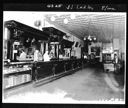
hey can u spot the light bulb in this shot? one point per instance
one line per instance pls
(89, 37)
(72, 16)
(94, 38)
(52, 18)
(65, 21)
(84, 38)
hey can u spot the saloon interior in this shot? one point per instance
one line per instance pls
(86, 64)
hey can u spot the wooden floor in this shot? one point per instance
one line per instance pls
(88, 84)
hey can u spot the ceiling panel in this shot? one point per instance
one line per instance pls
(103, 26)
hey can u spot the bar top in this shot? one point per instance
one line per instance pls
(30, 62)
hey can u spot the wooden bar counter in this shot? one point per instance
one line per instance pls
(52, 68)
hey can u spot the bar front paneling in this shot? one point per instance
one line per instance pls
(43, 69)
(52, 68)
(59, 67)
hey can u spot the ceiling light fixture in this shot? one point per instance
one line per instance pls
(52, 18)
(89, 37)
(72, 16)
(84, 38)
(65, 21)
(94, 38)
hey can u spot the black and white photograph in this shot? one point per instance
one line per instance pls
(64, 57)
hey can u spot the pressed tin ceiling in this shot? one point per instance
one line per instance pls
(104, 26)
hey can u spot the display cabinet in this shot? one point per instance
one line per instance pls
(16, 74)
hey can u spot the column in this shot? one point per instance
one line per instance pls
(57, 50)
(42, 48)
(46, 47)
(6, 37)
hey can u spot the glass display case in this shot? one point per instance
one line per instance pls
(15, 74)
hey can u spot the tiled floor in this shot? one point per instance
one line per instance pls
(84, 85)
